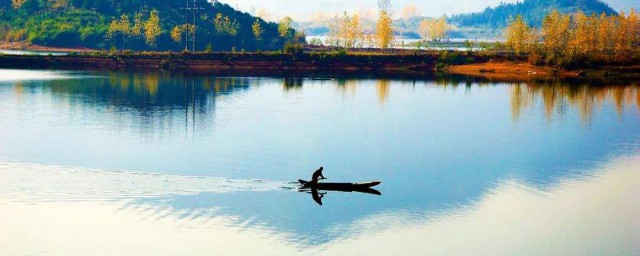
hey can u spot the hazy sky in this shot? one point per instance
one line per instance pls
(303, 9)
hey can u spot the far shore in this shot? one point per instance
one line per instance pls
(396, 63)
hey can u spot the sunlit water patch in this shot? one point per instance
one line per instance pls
(577, 216)
(40, 53)
(33, 182)
(34, 75)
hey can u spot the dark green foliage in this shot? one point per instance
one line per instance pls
(533, 11)
(84, 23)
(293, 48)
(342, 52)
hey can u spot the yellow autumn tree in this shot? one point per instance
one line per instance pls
(119, 28)
(625, 33)
(355, 32)
(518, 35)
(224, 25)
(384, 27)
(284, 27)
(440, 28)
(257, 30)
(341, 30)
(555, 33)
(384, 30)
(423, 29)
(434, 29)
(570, 39)
(634, 27)
(333, 37)
(603, 30)
(176, 34)
(178, 30)
(138, 25)
(152, 28)
(579, 43)
(592, 36)
(59, 3)
(17, 3)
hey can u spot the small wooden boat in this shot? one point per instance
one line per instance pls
(364, 187)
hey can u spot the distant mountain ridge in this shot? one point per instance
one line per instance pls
(533, 11)
(488, 24)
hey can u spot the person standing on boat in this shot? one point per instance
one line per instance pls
(317, 175)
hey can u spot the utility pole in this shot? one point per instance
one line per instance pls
(195, 9)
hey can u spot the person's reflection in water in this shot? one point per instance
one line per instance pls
(317, 196)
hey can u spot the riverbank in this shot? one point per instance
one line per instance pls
(241, 64)
(510, 70)
(505, 70)
(408, 64)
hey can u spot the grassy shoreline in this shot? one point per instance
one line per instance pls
(403, 63)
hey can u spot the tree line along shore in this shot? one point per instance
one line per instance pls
(398, 63)
(565, 45)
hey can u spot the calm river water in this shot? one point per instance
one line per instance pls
(116, 163)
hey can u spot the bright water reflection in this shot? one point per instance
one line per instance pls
(41, 53)
(576, 216)
(125, 163)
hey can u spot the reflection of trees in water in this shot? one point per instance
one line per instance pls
(144, 90)
(586, 99)
(18, 87)
(152, 101)
(159, 101)
(291, 84)
(382, 87)
(348, 87)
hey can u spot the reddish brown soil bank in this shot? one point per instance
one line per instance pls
(404, 65)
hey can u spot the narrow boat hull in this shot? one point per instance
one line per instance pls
(364, 187)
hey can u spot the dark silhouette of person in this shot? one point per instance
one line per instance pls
(317, 175)
(317, 196)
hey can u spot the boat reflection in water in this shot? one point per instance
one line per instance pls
(337, 187)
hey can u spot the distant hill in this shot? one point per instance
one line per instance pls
(84, 23)
(490, 23)
(533, 12)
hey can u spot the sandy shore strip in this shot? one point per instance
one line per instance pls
(24, 46)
